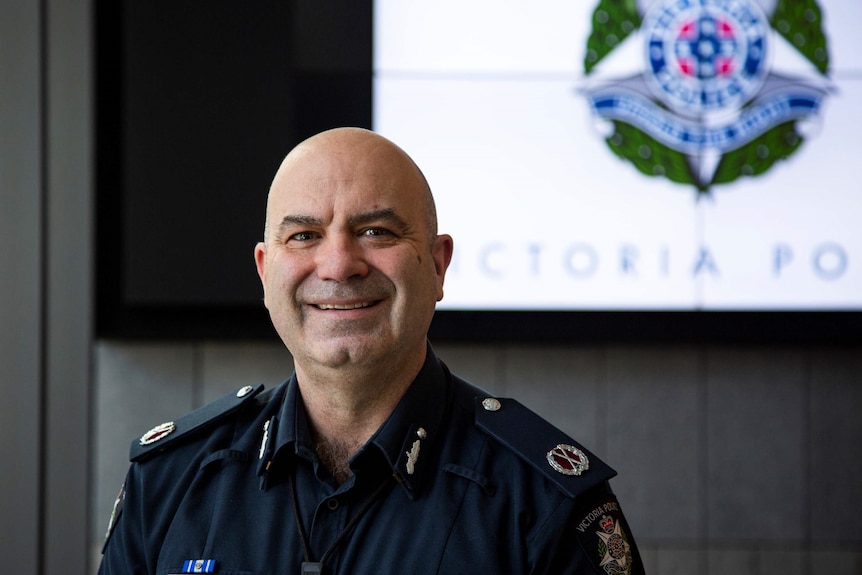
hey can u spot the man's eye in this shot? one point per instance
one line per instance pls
(302, 236)
(376, 232)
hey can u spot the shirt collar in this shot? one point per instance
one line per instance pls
(406, 439)
(293, 429)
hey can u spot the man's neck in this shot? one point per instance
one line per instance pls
(346, 407)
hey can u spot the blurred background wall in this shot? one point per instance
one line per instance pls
(732, 459)
(45, 289)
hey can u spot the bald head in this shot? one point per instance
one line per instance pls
(344, 154)
(352, 266)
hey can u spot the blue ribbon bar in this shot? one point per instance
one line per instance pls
(199, 566)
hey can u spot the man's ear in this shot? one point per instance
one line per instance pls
(441, 251)
(260, 262)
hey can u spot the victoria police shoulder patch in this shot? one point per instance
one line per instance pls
(116, 511)
(605, 538)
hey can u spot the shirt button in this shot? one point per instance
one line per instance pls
(332, 504)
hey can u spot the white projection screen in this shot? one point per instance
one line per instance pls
(634, 156)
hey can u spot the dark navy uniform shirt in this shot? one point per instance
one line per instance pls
(449, 484)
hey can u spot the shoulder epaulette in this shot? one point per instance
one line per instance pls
(551, 452)
(161, 437)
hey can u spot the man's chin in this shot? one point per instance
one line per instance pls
(350, 351)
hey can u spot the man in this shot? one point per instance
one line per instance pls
(372, 458)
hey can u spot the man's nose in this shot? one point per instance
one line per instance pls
(340, 257)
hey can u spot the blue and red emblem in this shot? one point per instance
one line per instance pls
(706, 105)
(704, 59)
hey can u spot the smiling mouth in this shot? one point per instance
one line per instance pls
(346, 306)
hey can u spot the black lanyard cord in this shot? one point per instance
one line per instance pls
(351, 525)
(306, 550)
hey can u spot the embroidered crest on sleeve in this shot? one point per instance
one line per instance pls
(115, 515)
(604, 537)
(614, 548)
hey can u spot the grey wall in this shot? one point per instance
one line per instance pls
(732, 460)
(45, 244)
(20, 278)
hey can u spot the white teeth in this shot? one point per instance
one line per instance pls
(343, 306)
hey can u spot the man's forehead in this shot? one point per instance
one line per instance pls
(344, 173)
(340, 193)
(344, 187)
(342, 199)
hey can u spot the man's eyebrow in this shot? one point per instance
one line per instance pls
(297, 220)
(385, 214)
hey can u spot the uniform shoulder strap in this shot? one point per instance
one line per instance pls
(160, 438)
(566, 463)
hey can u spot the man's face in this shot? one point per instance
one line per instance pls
(349, 270)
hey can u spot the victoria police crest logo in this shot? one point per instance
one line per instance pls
(604, 536)
(614, 548)
(722, 89)
(703, 58)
